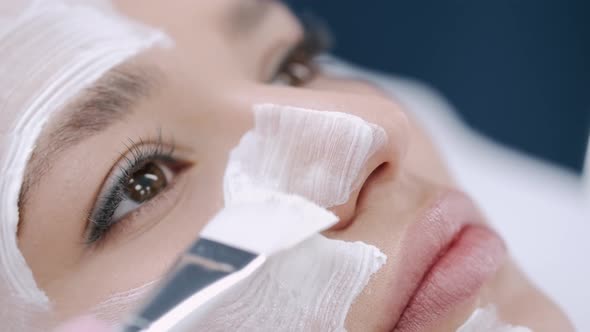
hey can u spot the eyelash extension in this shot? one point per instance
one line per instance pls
(136, 156)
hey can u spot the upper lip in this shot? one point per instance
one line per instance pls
(425, 242)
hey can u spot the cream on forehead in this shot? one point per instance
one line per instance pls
(51, 51)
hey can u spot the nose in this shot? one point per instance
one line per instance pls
(377, 111)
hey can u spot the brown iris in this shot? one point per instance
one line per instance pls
(146, 183)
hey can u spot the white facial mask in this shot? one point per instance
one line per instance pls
(51, 51)
(308, 288)
(118, 304)
(486, 320)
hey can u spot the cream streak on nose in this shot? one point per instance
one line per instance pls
(315, 154)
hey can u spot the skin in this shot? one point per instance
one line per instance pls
(210, 80)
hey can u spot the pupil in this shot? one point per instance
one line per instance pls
(146, 183)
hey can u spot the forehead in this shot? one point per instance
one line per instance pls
(216, 32)
(186, 17)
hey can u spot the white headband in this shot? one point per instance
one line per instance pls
(51, 51)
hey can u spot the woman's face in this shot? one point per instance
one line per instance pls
(197, 98)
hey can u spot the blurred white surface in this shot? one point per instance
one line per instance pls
(541, 210)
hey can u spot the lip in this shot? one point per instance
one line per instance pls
(445, 258)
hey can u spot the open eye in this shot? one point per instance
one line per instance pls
(145, 172)
(143, 185)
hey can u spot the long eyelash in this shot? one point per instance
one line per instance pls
(136, 155)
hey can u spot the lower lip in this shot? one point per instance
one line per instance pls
(457, 276)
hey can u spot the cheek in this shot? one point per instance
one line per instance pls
(111, 281)
(57, 209)
(424, 160)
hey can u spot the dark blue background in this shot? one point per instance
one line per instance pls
(517, 70)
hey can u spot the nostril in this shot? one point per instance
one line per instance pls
(378, 175)
(349, 211)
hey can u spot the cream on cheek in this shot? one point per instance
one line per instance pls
(118, 304)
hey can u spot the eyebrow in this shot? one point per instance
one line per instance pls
(110, 99)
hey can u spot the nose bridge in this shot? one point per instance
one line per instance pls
(380, 114)
(373, 109)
